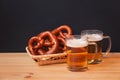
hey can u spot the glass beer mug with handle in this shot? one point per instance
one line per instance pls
(97, 37)
(77, 52)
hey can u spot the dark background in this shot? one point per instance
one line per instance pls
(22, 19)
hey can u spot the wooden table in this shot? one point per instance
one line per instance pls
(19, 66)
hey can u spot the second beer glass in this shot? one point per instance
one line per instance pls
(97, 37)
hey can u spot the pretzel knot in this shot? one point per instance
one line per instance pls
(49, 42)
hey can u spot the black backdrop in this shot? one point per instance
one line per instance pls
(21, 19)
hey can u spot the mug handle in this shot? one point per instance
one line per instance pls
(109, 45)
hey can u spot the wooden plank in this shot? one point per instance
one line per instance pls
(19, 66)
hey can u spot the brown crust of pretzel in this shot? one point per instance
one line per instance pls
(60, 31)
(49, 42)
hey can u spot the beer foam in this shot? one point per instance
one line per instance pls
(94, 37)
(76, 43)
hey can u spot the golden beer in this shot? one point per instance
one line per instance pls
(77, 55)
(94, 55)
(95, 38)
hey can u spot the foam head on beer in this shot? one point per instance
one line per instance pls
(76, 43)
(94, 37)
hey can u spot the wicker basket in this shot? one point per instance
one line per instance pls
(48, 59)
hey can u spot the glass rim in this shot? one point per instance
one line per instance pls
(92, 31)
(75, 36)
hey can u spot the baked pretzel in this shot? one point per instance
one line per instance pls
(62, 31)
(62, 45)
(52, 44)
(34, 44)
(49, 42)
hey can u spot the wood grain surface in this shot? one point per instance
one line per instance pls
(20, 66)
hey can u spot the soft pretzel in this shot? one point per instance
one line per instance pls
(49, 42)
(62, 31)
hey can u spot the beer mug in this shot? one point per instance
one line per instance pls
(77, 53)
(97, 37)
